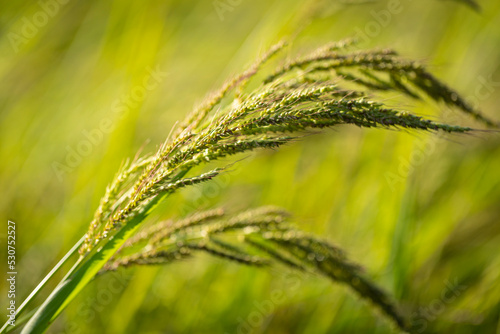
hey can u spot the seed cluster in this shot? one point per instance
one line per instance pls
(329, 87)
(257, 237)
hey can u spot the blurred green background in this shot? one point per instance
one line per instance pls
(419, 211)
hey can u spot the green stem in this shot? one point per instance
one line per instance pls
(40, 286)
(22, 320)
(73, 283)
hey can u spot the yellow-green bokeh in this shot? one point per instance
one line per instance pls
(419, 211)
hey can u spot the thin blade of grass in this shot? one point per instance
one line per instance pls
(40, 286)
(69, 288)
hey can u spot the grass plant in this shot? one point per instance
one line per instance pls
(334, 85)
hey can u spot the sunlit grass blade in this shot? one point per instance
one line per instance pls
(67, 290)
(27, 302)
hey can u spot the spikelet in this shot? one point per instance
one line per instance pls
(306, 93)
(258, 237)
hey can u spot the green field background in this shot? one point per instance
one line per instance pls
(419, 211)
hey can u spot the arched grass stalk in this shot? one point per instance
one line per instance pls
(268, 238)
(329, 87)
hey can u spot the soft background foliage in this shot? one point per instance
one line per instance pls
(416, 232)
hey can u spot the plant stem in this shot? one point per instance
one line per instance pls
(22, 320)
(40, 286)
(76, 280)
